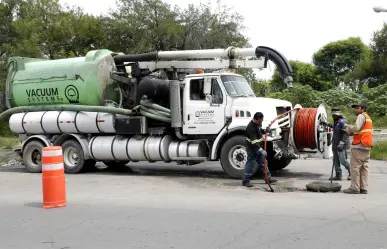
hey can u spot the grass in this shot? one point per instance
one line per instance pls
(9, 142)
(379, 151)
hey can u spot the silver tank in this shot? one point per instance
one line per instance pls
(56, 122)
(144, 148)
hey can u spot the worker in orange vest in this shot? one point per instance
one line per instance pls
(360, 151)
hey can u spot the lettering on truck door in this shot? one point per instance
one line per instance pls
(201, 116)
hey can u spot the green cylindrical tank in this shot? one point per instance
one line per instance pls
(81, 80)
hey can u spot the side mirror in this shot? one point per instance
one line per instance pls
(207, 86)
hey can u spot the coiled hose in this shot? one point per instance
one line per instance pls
(146, 108)
(303, 133)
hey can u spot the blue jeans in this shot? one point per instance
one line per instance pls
(340, 158)
(254, 158)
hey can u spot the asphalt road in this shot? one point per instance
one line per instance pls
(167, 206)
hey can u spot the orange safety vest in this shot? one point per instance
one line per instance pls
(364, 136)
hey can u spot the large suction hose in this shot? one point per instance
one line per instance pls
(146, 108)
(279, 60)
(154, 111)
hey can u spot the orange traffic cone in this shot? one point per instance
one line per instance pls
(53, 177)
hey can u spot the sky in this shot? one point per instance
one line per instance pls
(296, 28)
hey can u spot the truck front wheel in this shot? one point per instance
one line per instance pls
(233, 157)
(73, 158)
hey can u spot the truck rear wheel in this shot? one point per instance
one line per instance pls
(32, 156)
(233, 157)
(73, 158)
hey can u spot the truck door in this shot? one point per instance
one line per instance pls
(202, 116)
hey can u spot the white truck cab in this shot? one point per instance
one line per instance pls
(222, 105)
(211, 99)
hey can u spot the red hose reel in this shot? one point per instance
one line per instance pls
(306, 127)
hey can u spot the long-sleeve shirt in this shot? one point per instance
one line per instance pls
(340, 135)
(360, 121)
(254, 136)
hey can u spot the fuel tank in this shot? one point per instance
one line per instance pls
(81, 80)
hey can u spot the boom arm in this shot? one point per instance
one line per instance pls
(224, 58)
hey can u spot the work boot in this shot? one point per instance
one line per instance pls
(247, 184)
(363, 191)
(350, 191)
(336, 178)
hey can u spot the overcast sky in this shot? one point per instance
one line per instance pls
(296, 28)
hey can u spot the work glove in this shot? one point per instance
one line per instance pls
(264, 153)
(341, 123)
(267, 129)
(340, 147)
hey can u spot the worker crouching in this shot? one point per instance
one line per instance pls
(340, 144)
(361, 150)
(255, 152)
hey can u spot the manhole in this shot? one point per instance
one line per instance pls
(323, 187)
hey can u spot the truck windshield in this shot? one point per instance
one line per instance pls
(237, 86)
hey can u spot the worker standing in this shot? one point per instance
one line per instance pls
(255, 152)
(361, 150)
(340, 144)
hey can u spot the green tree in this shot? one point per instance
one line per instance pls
(9, 11)
(139, 26)
(45, 29)
(304, 74)
(371, 70)
(299, 94)
(205, 28)
(261, 88)
(338, 58)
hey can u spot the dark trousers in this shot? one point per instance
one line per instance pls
(254, 159)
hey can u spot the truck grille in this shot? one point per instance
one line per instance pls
(284, 121)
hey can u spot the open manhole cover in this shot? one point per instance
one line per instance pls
(323, 187)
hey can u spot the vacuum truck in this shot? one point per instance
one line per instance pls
(184, 107)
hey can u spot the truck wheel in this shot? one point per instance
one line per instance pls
(32, 156)
(73, 157)
(233, 157)
(116, 165)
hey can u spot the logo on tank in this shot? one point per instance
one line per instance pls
(72, 94)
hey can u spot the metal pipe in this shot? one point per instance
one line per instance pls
(194, 54)
(243, 52)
